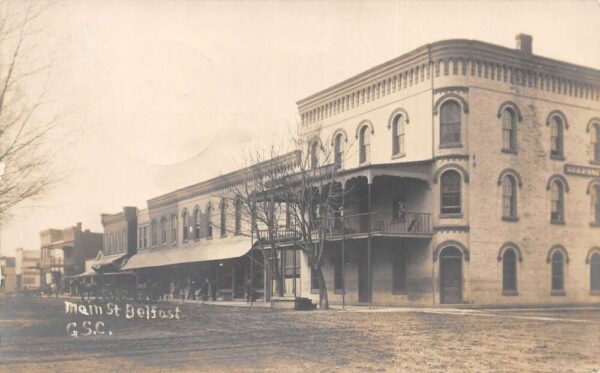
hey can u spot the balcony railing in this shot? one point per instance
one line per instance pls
(375, 223)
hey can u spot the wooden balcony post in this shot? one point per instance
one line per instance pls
(369, 274)
(343, 249)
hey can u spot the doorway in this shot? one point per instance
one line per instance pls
(451, 276)
(363, 277)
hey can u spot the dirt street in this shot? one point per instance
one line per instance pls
(34, 337)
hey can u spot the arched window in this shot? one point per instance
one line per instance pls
(314, 155)
(398, 135)
(558, 276)
(223, 213)
(154, 232)
(450, 186)
(209, 221)
(338, 150)
(238, 215)
(595, 273)
(509, 272)
(556, 137)
(450, 118)
(197, 224)
(557, 197)
(174, 228)
(597, 142)
(185, 224)
(163, 230)
(509, 130)
(596, 202)
(365, 144)
(509, 197)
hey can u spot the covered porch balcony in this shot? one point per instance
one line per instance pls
(409, 224)
(384, 201)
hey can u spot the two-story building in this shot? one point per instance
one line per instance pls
(472, 176)
(196, 237)
(64, 252)
(119, 239)
(27, 264)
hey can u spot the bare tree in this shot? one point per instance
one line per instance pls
(25, 156)
(314, 201)
(257, 212)
(294, 199)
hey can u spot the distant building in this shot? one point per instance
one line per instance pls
(27, 267)
(8, 277)
(119, 239)
(64, 252)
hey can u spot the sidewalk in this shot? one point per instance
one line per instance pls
(225, 303)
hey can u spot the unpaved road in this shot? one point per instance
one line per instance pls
(209, 338)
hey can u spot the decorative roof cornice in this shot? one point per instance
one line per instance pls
(220, 183)
(522, 68)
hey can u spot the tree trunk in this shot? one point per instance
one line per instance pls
(323, 299)
(278, 279)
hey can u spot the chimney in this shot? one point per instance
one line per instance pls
(524, 43)
(79, 226)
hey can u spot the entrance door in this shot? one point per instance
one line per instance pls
(363, 277)
(451, 276)
(239, 279)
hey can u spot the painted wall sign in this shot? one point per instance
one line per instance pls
(571, 169)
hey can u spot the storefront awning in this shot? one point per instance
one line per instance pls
(106, 260)
(81, 275)
(205, 250)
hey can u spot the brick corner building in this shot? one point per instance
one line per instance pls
(483, 164)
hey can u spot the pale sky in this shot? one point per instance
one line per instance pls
(164, 94)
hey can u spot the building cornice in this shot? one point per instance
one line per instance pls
(391, 75)
(272, 166)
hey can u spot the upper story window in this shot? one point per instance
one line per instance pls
(197, 224)
(223, 214)
(238, 215)
(450, 187)
(557, 199)
(173, 228)
(364, 144)
(596, 142)
(145, 236)
(209, 232)
(596, 202)
(398, 134)
(509, 130)
(154, 232)
(338, 150)
(450, 124)
(163, 230)
(185, 224)
(509, 197)
(314, 154)
(140, 239)
(556, 137)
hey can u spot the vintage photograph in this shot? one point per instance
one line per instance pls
(299, 186)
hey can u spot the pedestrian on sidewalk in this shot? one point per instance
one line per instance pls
(249, 295)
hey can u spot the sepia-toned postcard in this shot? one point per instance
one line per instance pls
(299, 186)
